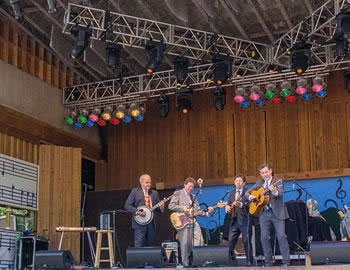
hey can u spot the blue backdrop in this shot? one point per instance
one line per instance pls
(328, 192)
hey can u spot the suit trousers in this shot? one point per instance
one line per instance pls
(185, 238)
(145, 235)
(268, 219)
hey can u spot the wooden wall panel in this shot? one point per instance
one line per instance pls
(60, 191)
(20, 50)
(19, 148)
(301, 140)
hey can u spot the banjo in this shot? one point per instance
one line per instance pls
(148, 217)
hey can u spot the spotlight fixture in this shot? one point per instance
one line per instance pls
(70, 119)
(82, 118)
(163, 106)
(301, 86)
(270, 91)
(82, 35)
(51, 4)
(181, 70)
(113, 54)
(107, 113)
(240, 95)
(134, 110)
(342, 31)
(184, 100)
(219, 98)
(17, 10)
(300, 58)
(222, 68)
(318, 84)
(95, 115)
(155, 52)
(255, 93)
(120, 112)
(286, 87)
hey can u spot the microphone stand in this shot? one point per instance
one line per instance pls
(191, 243)
(82, 222)
(220, 232)
(306, 211)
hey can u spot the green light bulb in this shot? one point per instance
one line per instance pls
(269, 94)
(69, 120)
(285, 92)
(82, 119)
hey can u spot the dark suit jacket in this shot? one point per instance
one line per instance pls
(241, 213)
(136, 198)
(276, 202)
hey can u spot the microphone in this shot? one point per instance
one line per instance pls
(200, 183)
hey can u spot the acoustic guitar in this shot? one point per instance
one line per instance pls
(262, 199)
(181, 220)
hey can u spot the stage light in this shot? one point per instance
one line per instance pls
(301, 90)
(139, 118)
(322, 93)
(113, 54)
(245, 104)
(291, 99)
(51, 6)
(101, 123)
(17, 10)
(255, 93)
(95, 115)
(155, 52)
(342, 31)
(127, 119)
(222, 68)
(163, 105)
(301, 86)
(240, 95)
(300, 58)
(71, 118)
(114, 121)
(181, 70)
(219, 98)
(184, 100)
(270, 91)
(134, 110)
(276, 100)
(89, 123)
(318, 84)
(286, 89)
(260, 102)
(307, 96)
(82, 35)
(78, 125)
(120, 112)
(82, 118)
(107, 113)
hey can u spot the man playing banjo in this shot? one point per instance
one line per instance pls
(144, 234)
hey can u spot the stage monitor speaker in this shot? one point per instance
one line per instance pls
(330, 252)
(53, 259)
(211, 256)
(145, 257)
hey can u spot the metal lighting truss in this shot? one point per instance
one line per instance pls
(132, 31)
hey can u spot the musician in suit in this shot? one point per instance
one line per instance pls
(144, 235)
(183, 201)
(237, 205)
(273, 215)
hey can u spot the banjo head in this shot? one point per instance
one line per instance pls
(147, 218)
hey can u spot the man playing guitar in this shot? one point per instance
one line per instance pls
(238, 208)
(273, 214)
(144, 235)
(184, 201)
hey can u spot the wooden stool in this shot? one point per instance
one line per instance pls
(99, 248)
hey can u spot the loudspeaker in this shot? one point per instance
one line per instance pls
(330, 252)
(53, 259)
(145, 256)
(211, 255)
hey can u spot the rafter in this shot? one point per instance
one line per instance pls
(284, 13)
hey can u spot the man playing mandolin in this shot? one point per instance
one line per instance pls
(273, 214)
(183, 201)
(144, 235)
(239, 222)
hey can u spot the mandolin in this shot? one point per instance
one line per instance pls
(181, 220)
(262, 199)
